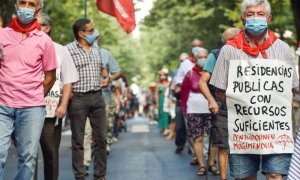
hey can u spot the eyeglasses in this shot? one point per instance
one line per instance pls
(90, 31)
(28, 4)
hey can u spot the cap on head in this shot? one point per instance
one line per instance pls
(164, 71)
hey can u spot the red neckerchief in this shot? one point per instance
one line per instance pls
(241, 42)
(192, 59)
(197, 69)
(15, 25)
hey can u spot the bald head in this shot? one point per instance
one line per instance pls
(230, 33)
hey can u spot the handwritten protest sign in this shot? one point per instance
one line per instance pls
(259, 96)
(52, 98)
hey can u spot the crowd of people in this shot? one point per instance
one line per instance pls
(42, 82)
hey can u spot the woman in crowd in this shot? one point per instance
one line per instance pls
(161, 91)
(195, 108)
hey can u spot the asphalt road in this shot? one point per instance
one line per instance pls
(141, 154)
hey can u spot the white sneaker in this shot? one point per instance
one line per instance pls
(115, 139)
(108, 149)
(166, 132)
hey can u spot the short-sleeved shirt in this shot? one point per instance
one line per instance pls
(110, 62)
(278, 50)
(68, 71)
(184, 67)
(112, 66)
(22, 68)
(210, 63)
(88, 65)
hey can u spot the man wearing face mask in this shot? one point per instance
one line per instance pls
(254, 42)
(29, 53)
(87, 100)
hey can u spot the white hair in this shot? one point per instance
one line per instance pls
(197, 50)
(253, 3)
(41, 3)
(183, 56)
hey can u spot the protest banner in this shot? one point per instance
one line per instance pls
(52, 98)
(258, 97)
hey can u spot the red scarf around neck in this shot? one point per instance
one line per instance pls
(241, 42)
(197, 69)
(16, 25)
(192, 59)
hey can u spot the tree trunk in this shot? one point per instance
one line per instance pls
(296, 9)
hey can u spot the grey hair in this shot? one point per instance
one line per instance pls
(41, 3)
(46, 19)
(230, 33)
(198, 50)
(253, 3)
(183, 56)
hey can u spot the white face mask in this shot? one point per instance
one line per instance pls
(201, 62)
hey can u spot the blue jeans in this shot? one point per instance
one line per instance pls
(26, 126)
(245, 165)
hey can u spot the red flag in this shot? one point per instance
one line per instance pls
(123, 10)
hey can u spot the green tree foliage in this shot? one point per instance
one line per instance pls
(65, 12)
(177, 22)
(7, 9)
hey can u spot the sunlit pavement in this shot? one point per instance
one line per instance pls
(141, 154)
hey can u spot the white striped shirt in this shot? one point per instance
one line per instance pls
(278, 50)
(88, 65)
(294, 170)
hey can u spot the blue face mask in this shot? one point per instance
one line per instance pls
(91, 38)
(256, 26)
(201, 63)
(25, 15)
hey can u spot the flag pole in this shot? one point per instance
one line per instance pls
(85, 8)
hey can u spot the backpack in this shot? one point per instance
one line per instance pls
(212, 88)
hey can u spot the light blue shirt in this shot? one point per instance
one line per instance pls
(210, 63)
(112, 67)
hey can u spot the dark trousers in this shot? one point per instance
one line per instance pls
(50, 141)
(91, 105)
(116, 126)
(180, 136)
